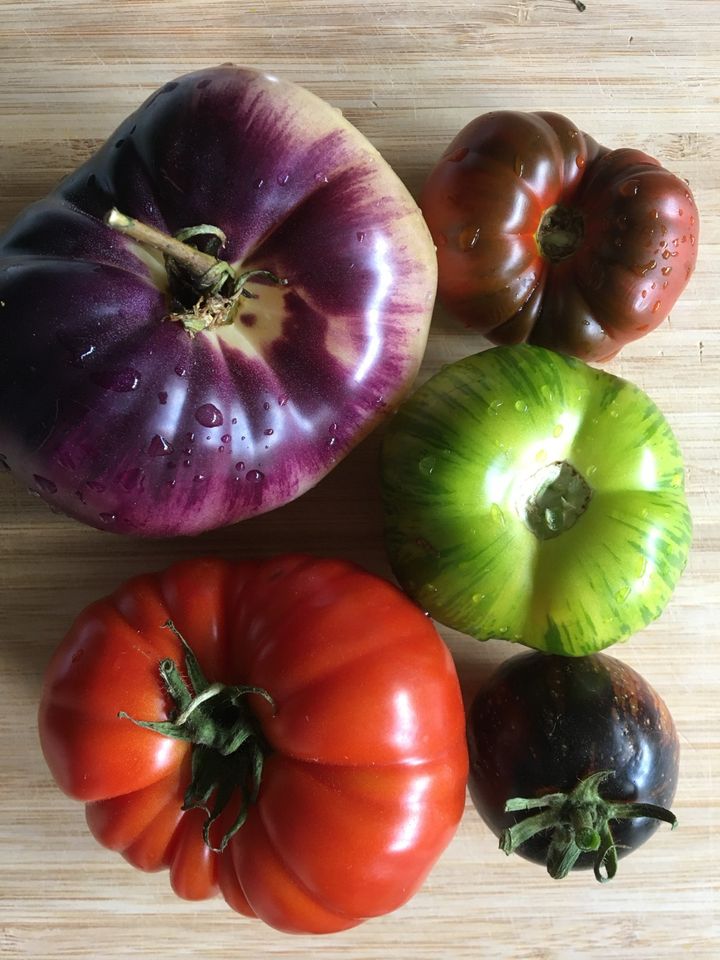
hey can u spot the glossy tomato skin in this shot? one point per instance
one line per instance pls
(121, 418)
(484, 203)
(543, 723)
(462, 461)
(364, 779)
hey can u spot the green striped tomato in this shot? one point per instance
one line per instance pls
(532, 497)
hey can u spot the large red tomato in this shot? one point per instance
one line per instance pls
(543, 235)
(313, 679)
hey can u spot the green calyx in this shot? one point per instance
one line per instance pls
(560, 498)
(207, 292)
(228, 745)
(579, 822)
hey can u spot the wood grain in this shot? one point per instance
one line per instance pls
(409, 75)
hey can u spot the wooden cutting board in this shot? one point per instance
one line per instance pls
(409, 75)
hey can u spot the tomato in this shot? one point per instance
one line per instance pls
(544, 235)
(311, 732)
(209, 351)
(532, 497)
(573, 762)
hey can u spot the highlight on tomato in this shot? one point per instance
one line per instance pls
(288, 733)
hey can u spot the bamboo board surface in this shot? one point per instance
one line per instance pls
(409, 75)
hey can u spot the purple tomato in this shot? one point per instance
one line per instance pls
(200, 321)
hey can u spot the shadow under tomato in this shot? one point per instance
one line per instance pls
(51, 566)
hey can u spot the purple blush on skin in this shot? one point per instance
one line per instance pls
(136, 422)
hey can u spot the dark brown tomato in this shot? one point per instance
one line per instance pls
(545, 723)
(545, 236)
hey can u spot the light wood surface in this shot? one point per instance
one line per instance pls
(409, 75)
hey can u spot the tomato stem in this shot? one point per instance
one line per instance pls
(560, 232)
(560, 498)
(579, 822)
(228, 744)
(206, 290)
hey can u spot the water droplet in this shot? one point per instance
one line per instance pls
(656, 306)
(642, 268)
(426, 466)
(497, 515)
(360, 236)
(477, 597)
(45, 485)
(283, 400)
(159, 446)
(546, 391)
(108, 517)
(234, 421)
(469, 238)
(119, 381)
(333, 428)
(119, 143)
(162, 396)
(380, 401)
(643, 293)
(541, 455)
(199, 476)
(282, 179)
(208, 415)
(258, 183)
(225, 438)
(521, 406)
(666, 271)
(187, 450)
(331, 441)
(205, 82)
(221, 449)
(186, 463)
(580, 162)
(320, 178)
(65, 459)
(132, 478)
(557, 429)
(494, 406)
(630, 188)
(622, 594)
(269, 432)
(255, 476)
(240, 465)
(457, 155)
(591, 469)
(180, 370)
(519, 166)
(266, 405)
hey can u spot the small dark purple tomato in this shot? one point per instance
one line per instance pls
(573, 760)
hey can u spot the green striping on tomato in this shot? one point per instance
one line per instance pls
(532, 497)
